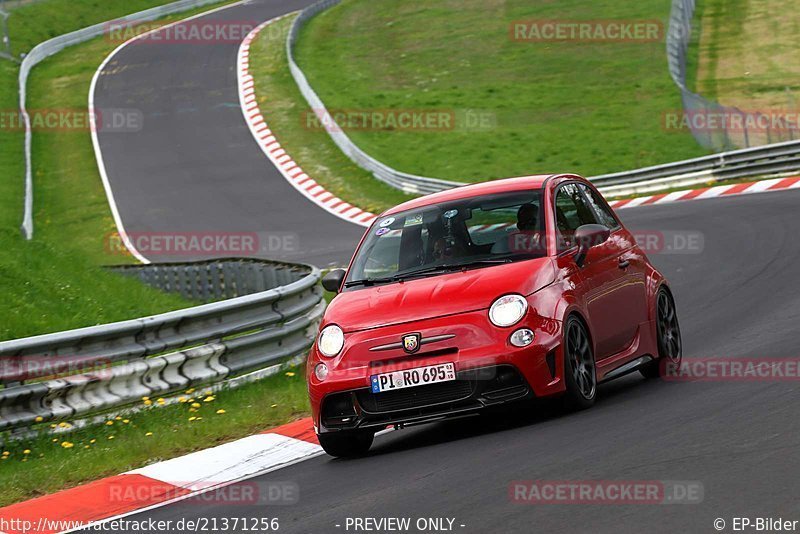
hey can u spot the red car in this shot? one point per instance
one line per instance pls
(483, 295)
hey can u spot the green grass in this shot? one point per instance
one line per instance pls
(49, 466)
(283, 106)
(56, 281)
(590, 108)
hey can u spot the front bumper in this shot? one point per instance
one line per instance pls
(471, 391)
(489, 371)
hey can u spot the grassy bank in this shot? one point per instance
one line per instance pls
(578, 106)
(56, 281)
(55, 462)
(284, 108)
(747, 53)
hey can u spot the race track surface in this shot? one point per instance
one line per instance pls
(194, 168)
(739, 297)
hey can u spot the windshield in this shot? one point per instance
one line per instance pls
(466, 233)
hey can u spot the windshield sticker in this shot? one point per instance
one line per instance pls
(386, 222)
(381, 231)
(413, 221)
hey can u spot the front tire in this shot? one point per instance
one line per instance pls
(580, 373)
(668, 338)
(346, 444)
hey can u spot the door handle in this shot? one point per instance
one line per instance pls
(623, 263)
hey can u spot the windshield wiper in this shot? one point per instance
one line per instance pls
(425, 271)
(370, 281)
(452, 267)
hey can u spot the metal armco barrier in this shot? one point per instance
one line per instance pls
(46, 49)
(119, 363)
(756, 161)
(408, 183)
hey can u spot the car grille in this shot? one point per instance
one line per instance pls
(416, 397)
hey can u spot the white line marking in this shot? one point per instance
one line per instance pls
(96, 141)
(272, 148)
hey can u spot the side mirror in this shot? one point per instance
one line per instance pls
(333, 280)
(588, 236)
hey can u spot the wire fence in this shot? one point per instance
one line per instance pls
(716, 126)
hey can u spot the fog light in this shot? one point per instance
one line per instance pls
(321, 372)
(522, 337)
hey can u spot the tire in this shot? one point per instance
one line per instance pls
(580, 372)
(668, 337)
(346, 444)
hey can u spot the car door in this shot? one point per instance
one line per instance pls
(613, 321)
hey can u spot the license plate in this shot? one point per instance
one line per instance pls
(443, 372)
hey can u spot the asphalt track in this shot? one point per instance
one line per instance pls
(737, 297)
(194, 169)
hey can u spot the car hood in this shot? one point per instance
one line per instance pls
(436, 296)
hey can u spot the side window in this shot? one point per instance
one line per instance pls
(572, 211)
(600, 206)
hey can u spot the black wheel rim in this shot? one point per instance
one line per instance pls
(579, 352)
(669, 332)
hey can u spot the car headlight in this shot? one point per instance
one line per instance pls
(508, 310)
(330, 341)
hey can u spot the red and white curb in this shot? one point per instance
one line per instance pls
(272, 148)
(762, 186)
(163, 482)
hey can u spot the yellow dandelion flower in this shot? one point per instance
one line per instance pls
(289, 374)
(126, 421)
(161, 401)
(196, 405)
(220, 412)
(192, 418)
(67, 445)
(208, 392)
(145, 399)
(148, 403)
(210, 398)
(63, 425)
(109, 423)
(110, 437)
(26, 451)
(92, 440)
(182, 399)
(190, 391)
(148, 434)
(39, 419)
(85, 446)
(118, 418)
(274, 406)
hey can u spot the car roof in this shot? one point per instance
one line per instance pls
(484, 188)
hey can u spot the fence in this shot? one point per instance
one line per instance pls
(47, 49)
(762, 160)
(733, 128)
(90, 370)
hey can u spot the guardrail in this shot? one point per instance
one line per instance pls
(409, 183)
(757, 161)
(115, 365)
(46, 49)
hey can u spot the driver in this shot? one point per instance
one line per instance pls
(526, 238)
